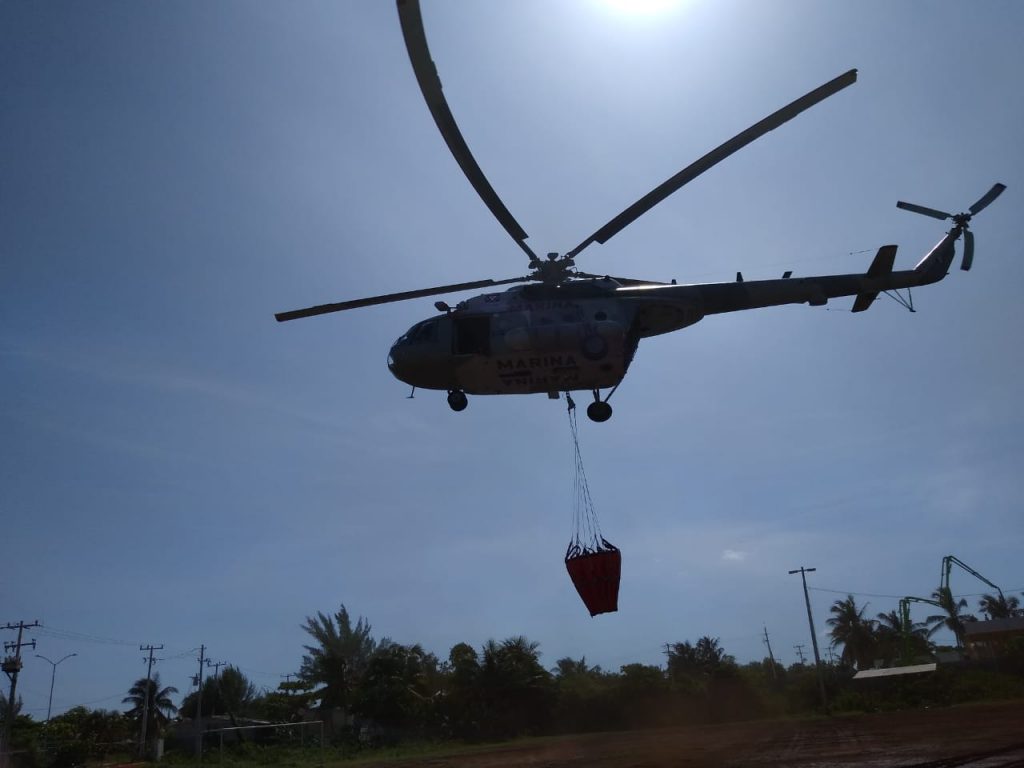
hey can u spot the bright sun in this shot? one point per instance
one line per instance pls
(642, 7)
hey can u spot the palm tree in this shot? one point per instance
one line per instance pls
(399, 687)
(892, 640)
(147, 695)
(517, 691)
(711, 655)
(235, 691)
(4, 705)
(570, 667)
(340, 657)
(889, 635)
(854, 632)
(953, 619)
(1000, 607)
(461, 702)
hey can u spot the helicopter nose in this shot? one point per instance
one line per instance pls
(420, 366)
(401, 367)
(394, 365)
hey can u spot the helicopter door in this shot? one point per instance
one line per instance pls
(473, 335)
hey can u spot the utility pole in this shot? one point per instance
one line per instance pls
(814, 637)
(216, 680)
(145, 697)
(12, 666)
(771, 657)
(799, 648)
(53, 676)
(199, 705)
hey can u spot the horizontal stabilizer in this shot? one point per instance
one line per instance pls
(884, 259)
(864, 301)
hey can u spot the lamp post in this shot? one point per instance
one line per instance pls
(53, 675)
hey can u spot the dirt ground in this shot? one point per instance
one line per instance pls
(980, 736)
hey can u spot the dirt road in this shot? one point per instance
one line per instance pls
(982, 736)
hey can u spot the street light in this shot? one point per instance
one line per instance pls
(53, 675)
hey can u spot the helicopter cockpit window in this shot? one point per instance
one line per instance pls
(420, 333)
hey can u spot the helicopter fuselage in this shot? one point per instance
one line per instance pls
(529, 339)
(582, 335)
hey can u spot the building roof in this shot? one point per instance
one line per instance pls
(914, 669)
(977, 629)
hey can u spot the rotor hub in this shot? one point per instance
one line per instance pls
(554, 271)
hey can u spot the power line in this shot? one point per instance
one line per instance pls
(96, 701)
(898, 597)
(82, 637)
(180, 655)
(261, 672)
(85, 637)
(858, 594)
(80, 703)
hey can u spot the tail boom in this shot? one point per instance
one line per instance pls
(716, 298)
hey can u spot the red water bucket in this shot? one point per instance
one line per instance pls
(595, 574)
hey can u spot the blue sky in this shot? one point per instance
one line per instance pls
(178, 468)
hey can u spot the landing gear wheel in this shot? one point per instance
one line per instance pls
(599, 411)
(457, 400)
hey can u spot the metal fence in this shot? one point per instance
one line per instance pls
(319, 724)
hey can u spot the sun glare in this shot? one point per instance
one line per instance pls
(642, 7)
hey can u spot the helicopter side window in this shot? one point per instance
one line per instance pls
(473, 335)
(507, 321)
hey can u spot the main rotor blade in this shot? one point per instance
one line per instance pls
(714, 157)
(323, 309)
(926, 211)
(627, 282)
(987, 198)
(430, 84)
(968, 259)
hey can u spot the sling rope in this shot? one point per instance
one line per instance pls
(586, 531)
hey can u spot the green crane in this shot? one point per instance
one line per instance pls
(947, 566)
(905, 620)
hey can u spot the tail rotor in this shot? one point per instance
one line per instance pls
(961, 220)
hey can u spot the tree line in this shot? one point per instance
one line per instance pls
(890, 639)
(389, 692)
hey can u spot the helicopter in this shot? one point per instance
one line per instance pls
(559, 329)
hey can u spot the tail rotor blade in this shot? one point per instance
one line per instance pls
(926, 211)
(987, 199)
(968, 259)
